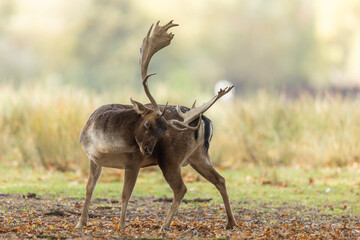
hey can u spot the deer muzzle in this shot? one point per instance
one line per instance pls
(147, 152)
(147, 148)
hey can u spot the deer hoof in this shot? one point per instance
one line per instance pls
(80, 225)
(230, 225)
(164, 228)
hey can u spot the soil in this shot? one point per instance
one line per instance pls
(40, 217)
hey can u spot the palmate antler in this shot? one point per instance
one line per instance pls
(151, 44)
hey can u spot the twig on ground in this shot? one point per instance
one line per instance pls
(63, 212)
(166, 199)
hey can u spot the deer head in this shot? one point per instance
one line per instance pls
(152, 124)
(149, 128)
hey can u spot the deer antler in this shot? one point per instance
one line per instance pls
(151, 44)
(195, 112)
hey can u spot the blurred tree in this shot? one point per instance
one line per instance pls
(106, 48)
(17, 63)
(253, 43)
(6, 10)
(262, 44)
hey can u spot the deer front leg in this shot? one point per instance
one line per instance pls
(172, 175)
(94, 174)
(130, 177)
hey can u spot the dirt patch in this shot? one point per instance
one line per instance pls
(33, 216)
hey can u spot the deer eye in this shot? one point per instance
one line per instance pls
(147, 124)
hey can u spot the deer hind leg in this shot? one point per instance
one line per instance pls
(94, 174)
(131, 175)
(173, 177)
(204, 167)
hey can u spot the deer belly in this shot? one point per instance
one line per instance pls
(111, 160)
(103, 145)
(121, 160)
(115, 148)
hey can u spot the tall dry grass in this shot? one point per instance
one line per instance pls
(39, 126)
(271, 131)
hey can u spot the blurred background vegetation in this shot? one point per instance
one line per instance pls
(59, 60)
(255, 44)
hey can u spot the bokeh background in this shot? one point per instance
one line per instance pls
(294, 64)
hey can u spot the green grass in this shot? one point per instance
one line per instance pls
(334, 190)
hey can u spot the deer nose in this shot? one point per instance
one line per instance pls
(147, 152)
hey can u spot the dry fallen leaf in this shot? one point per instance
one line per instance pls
(174, 223)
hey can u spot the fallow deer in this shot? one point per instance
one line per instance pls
(135, 136)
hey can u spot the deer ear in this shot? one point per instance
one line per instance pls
(139, 107)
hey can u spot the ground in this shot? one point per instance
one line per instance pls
(31, 216)
(309, 205)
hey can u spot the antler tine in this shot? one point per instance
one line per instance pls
(153, 42)
(225, 91)
(195, 112)
(181, 114)
(193, 106)
(185, 126)
(163, 112)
